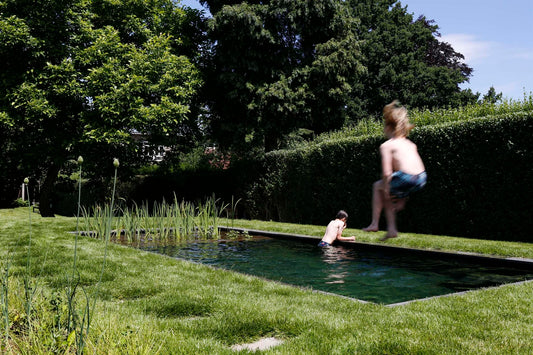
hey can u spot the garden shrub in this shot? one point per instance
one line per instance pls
(479, 180)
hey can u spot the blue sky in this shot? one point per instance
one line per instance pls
(495, 36)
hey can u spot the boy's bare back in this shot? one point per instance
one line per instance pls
(333, 230)
(401, 154)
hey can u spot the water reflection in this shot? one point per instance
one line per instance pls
(338, 257)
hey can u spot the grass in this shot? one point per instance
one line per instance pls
(152, 304)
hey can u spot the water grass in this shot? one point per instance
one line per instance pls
(161, 222)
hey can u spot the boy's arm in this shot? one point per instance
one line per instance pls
(347, 239)
(386, 166)
(339, 234)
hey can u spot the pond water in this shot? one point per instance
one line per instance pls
(380, 277)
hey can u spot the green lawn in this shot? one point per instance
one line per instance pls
(149, 304)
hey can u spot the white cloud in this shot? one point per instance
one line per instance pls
(469, 46)
(524, 55)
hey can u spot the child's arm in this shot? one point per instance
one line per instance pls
(386, 166)
(339, 234)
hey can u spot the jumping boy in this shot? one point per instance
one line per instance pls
(402, 168)
(334, 230)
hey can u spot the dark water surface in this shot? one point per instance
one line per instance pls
(380, 277)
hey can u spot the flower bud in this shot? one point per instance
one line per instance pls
(80, 160)
(26, 181)
(116, 163)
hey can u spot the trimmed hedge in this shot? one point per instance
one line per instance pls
(479, 180)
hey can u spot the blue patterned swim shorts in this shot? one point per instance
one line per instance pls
(323, 244)
(402, 184)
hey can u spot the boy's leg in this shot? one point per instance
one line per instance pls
(377, 206)
(390, 215)
(399, 203)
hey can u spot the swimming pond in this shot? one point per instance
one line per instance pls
(380, 276)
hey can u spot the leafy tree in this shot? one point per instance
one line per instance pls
(279, 66)
(405, 59)
(491, 96)
(282, 66)
(81, 75)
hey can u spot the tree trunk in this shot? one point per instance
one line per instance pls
(47, 188)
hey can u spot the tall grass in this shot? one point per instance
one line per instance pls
(4, 299)
(107, 236)
(232, 210)
(163, 221)
(30, 287)
(75, 329)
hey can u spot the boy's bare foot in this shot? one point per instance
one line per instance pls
(388, 236)
(370, 228)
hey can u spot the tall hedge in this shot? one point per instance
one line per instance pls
(479, 180)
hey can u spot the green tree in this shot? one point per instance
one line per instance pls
(405, 59)
(81, 75)
(491, 96)
(277, 67)
(285, 65)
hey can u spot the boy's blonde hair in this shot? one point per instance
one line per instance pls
(395, 117)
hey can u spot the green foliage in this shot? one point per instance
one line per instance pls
(427, 117)
(81, 76)
(477, 186)
(21, 203)
(160, 222)
(329, 63)
(406, 61)
(312, 51)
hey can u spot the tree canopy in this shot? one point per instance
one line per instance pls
(281, 66)
(80, 76)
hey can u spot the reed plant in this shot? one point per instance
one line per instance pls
(163, 222)
(163, 217)
(185, 211)
(130, 222)
(95, 220)
(207, 217)
(232, 211)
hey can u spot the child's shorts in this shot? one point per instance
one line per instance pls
(402, 184)
(323, 244)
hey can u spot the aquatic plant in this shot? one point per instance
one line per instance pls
(231, 213)
(163, 222)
